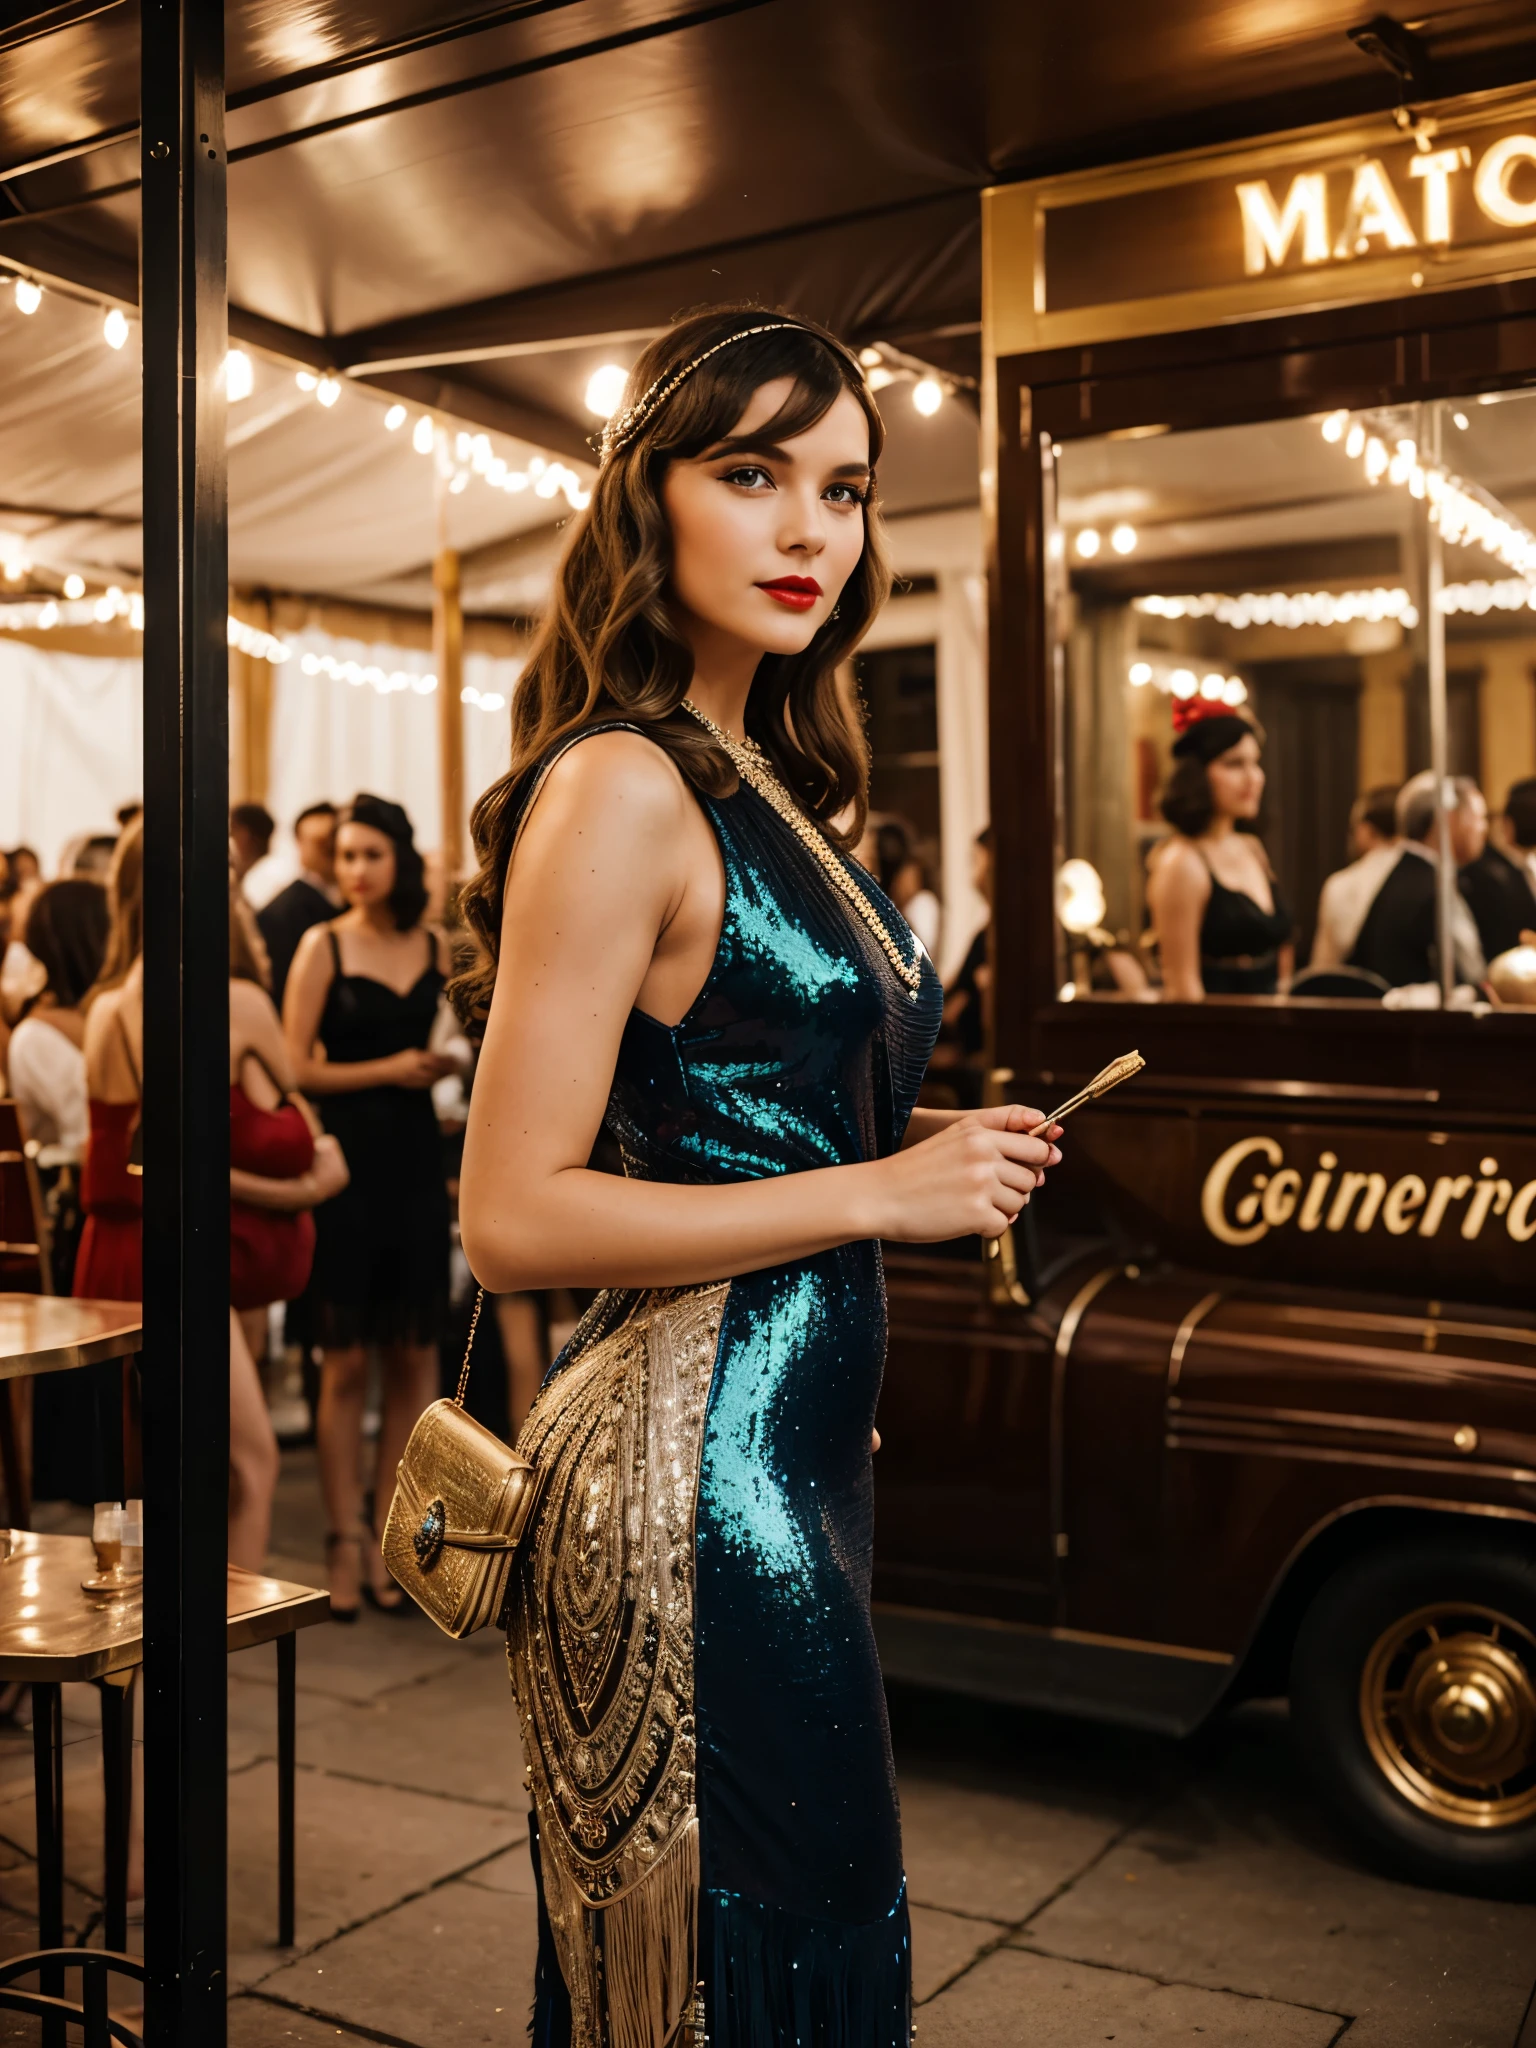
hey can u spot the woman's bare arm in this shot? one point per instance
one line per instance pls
(1177, 894)
(599, 884)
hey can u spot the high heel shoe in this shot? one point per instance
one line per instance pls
(373, 1594)
(334, 1539)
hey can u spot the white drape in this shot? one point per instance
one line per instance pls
(71, 739)
(71, 746)
(331, 738)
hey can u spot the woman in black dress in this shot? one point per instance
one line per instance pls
(1222, 929)
(358, 1011)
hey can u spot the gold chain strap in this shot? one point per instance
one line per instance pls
(755, 769)
(474, 1324)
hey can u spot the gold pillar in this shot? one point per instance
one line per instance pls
(1507, 716)
(250, 712)
(448, 660)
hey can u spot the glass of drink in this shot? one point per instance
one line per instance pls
(133, 1539)
(107, 1534)
(111, 1580)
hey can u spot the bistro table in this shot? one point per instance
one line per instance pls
(55, 1333)
(52, 1634)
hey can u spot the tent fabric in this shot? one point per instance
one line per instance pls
(71, 748)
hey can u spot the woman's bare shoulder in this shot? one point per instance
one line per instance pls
(610, 788)
(1176, 867)
(250, 1007)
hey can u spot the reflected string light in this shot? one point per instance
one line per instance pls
(1177, 681)
(1287, 608)
(1508, 594)
(1466, 514)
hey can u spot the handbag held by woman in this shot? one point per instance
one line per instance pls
(462, 1500)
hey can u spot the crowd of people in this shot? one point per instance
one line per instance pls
(1221, 927)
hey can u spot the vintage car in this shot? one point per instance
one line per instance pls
(1125, 1487)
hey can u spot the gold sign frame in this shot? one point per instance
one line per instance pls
(1017, 318)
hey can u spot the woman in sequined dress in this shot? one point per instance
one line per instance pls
(687, 954)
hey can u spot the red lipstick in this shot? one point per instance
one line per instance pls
(799, 593)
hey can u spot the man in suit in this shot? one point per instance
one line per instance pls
(309, 900)
(1399, 939)
(1500, 886)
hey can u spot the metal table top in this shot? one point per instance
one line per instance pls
(51, 1633)
(54, 1332)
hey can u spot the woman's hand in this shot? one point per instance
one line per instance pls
(415, 1069)
(971, 1178)
(329, 1172)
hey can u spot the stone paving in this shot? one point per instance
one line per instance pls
(1071, 1885)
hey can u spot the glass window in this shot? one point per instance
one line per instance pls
(1270, 636)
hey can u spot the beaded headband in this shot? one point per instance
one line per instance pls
(624, 426)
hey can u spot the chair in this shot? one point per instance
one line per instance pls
(26, 1267)
(1342, 984)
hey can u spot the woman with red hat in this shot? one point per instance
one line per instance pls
(1221, 926)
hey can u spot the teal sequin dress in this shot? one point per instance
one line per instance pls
(716, 1825)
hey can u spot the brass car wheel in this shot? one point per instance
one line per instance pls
(1448, 1709)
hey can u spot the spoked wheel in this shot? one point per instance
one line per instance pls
(1448, 1704)
(1413, 1687)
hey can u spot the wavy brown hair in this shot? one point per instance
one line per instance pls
(125, 900)
(609, 649)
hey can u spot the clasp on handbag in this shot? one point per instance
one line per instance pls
(428, 1540)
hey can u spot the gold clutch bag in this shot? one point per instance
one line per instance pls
(462, 1500)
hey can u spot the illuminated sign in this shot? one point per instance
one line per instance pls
(1359, 210)
(1251, 1191)
(1349, 211)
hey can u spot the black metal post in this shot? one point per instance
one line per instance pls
(183, 305)
(117, 1791)
(287, 1761)
(48, 1793)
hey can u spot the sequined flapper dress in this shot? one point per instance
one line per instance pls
(690, 1642)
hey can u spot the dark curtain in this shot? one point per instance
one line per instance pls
(1310, 711)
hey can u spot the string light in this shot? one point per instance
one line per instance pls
(29, 296)
(239, 375)
(1290, 609)
(1123, 539)
(74, 586)
(253, 641)
(605, 390)
(487, 700)
(306, 380)
(357, 673)
(424, 435)
(927, 396)
(1088, 543)
(394, 419)
(114, 329)
(328, 390)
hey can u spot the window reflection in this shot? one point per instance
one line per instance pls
(1269, 637)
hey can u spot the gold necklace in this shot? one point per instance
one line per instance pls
(759, 773)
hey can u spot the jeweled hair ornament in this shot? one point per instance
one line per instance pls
(624, 426)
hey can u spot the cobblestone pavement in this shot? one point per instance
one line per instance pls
(1071, 1885)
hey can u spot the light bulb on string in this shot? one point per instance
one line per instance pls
(29, 296)
(394, 419)
(605, 390)
(927, 396)
(239, 375)
(328, 390)
(1123, 538)
(74, 587)
(114, 329)
(423, 435)
(305, 379)
(1087, 543)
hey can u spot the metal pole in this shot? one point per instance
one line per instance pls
(1434, 583)
(448, 659)
(186, 1016)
